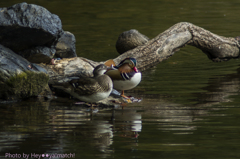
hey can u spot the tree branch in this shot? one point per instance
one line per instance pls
(217, 48)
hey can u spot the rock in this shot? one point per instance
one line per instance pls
(128, 40)
(38, 54)
(65, 47)
(46, 93)
(23, 26)
(18, 77)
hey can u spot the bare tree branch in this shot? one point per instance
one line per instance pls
(217, 48)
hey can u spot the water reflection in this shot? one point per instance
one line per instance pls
(46, 127)
(178, 117)
(59, 126)
(161, 126)
(219, 89)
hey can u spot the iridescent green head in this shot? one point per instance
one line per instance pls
(131, 61)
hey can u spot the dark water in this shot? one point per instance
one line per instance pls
(190, 107)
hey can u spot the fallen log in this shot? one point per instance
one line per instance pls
(149, 53)
(156, 50)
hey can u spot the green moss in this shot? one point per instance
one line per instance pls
(23, 85)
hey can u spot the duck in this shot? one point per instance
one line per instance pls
(89, 89)
(125, 75)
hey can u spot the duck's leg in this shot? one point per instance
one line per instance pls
(122, 94)
(126, 97)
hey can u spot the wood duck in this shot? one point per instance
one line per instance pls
(125, 75)
(89, 89)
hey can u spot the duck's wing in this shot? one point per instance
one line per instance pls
(122, 73)
(110, 63)
(114, 74)
(86, 86)
(83, 86)
(127, 75)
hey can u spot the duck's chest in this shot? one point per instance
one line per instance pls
(128, 84)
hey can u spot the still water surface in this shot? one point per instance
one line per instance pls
(190, 107)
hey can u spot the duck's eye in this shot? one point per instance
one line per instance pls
(131, 64)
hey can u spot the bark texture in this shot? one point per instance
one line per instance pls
(217, 48)
(67, 69)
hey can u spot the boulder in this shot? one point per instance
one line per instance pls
(24, 26)
(18, 77)
(39, 54)
(129, 40)
(65, 47)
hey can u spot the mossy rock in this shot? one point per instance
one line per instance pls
(23, 85)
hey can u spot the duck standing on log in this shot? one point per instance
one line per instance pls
(125, 75)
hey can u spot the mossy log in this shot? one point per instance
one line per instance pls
(217, 48)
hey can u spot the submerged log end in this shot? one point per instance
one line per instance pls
(223, 52)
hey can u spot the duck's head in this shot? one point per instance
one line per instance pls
(99, 70)
(132, 62)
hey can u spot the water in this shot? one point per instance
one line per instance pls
(190, 106)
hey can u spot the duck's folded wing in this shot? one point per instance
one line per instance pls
(127, 75)
(114, 74)
(86, 86)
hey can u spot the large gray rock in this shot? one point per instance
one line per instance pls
(18, 77)
(39, 54)
(23, 26)
(65, 47)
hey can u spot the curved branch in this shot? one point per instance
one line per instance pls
(218, 48)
